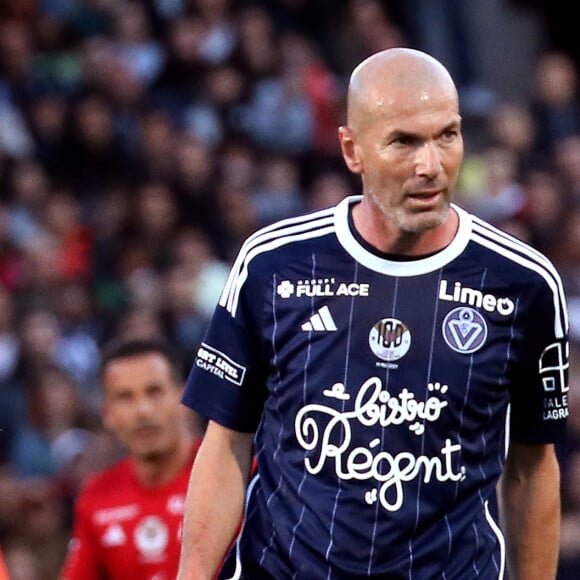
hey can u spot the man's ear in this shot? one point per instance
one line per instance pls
(350, 151)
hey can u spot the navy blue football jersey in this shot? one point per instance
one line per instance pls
(383, 395)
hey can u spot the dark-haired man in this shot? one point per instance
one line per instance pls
(127, 522)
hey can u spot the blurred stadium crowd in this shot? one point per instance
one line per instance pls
(141, 142)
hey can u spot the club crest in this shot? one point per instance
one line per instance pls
(464, 330)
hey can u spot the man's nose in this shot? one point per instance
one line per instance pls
(144, 406)
(428, 160)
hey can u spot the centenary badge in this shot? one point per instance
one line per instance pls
(390, 339)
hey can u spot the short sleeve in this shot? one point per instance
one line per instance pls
(227, 379)
(539, 395)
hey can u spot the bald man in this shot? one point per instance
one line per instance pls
(387, 362)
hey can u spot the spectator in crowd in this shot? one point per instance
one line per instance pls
(366, 26)
(545, 208)
(567, 256)
(127, 518)
(205, 272)
(62, 220)
(28, 189)
(278, 193)
(566, 159)
(46, 114)
(81, 333)
(40, 536)
(556, 102)
(193, 181)
(53, 407)
(279, 116)
(512, 126)
(154, 221)
(139, 321)
(94, 147)
(257, 52)
(133, 43)
(11, 409)
(490, 185)
(177, 83)
(190, 290)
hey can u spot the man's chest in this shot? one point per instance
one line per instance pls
(438, 327)
(140, 539)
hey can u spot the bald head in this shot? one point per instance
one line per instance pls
(392, 76)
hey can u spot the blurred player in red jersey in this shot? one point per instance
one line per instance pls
(127, 520)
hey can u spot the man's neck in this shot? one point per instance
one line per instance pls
(160, 470)
(403, 244)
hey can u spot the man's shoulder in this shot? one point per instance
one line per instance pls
(108, 481)
(507, 244)
(299, 228)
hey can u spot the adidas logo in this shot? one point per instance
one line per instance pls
(114, 536)
(321, 320)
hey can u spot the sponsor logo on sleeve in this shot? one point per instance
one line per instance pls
(217, 363)
(554, 368)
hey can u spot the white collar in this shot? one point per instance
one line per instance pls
(396, 267)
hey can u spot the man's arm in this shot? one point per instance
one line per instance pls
(82, 561)
(215, 500)
(530, 503)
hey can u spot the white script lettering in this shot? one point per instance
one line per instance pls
(375, 406)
